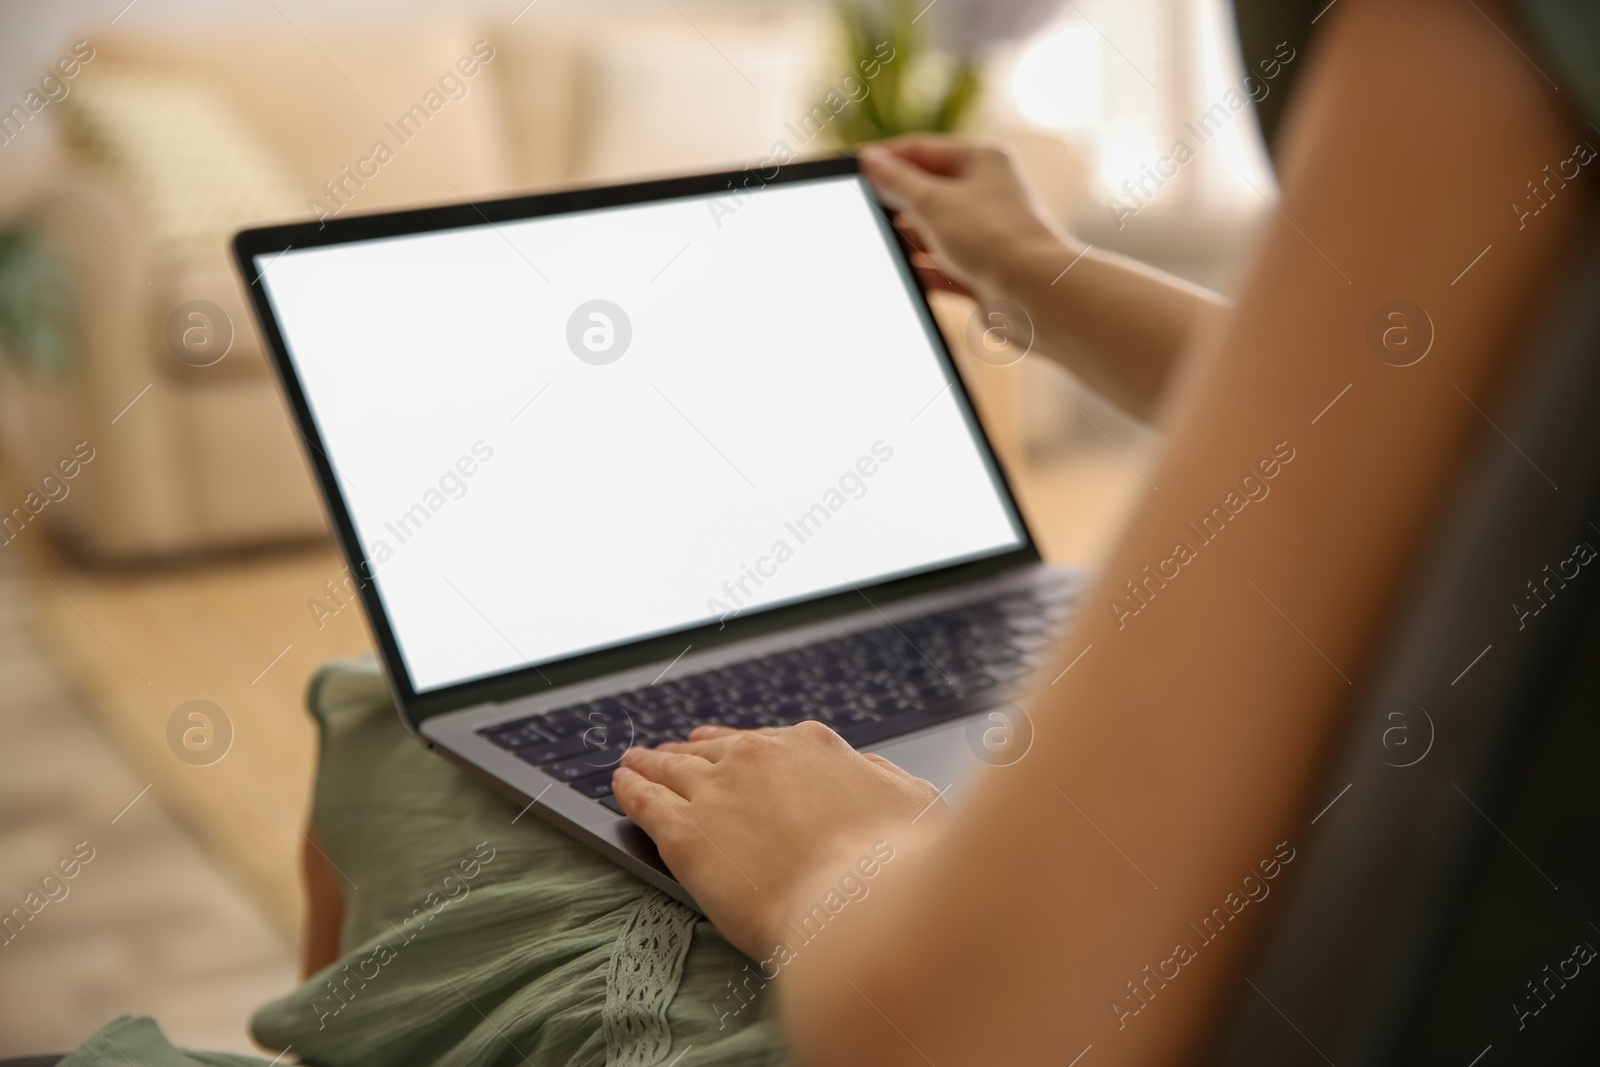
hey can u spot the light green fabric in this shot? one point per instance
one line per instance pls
(139, 1041)
(474, 941)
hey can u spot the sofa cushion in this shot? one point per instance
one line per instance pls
(324, 99)
(193, 166)
(695, 92)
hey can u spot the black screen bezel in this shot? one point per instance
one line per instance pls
(530, 680)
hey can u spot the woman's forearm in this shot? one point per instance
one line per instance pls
(1117, 325)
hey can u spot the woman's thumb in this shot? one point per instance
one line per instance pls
(901, 185)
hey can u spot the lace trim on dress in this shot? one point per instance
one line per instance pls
(646, 966)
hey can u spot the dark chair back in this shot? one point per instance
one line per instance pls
(1446, 904)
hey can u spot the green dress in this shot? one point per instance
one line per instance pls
(475, 934)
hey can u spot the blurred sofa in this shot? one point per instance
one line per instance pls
(171, 142)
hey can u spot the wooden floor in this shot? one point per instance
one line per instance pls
(238, 634)
(151, 924)
(190, 910)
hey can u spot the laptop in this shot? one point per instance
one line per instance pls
(611, 463)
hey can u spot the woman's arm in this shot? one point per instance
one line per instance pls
(1174, 757)
(1117, 324)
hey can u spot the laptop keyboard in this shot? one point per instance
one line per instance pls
(869, 686)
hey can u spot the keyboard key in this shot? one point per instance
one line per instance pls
(870, 733)
(561, 725)
(552, 750)
(596, 786)
(1004, 673)
(590, 763)
(516, 734)
(664, 722)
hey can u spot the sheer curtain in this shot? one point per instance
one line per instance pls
(1152, 95)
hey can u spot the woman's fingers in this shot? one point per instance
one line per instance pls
(706, 733)
(903, 223)
(934, 278)
(936, 153)
(678, 771)
(682, 765)
(962, 204)
(653, 806)
(773, 808)
(712, 743)
(901, 184)
(710, 750)
(712, 732)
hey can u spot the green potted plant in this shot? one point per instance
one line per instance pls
(921, 89)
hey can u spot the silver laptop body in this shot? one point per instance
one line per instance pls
(612, 463)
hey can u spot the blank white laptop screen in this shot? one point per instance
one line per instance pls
(567, 433)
